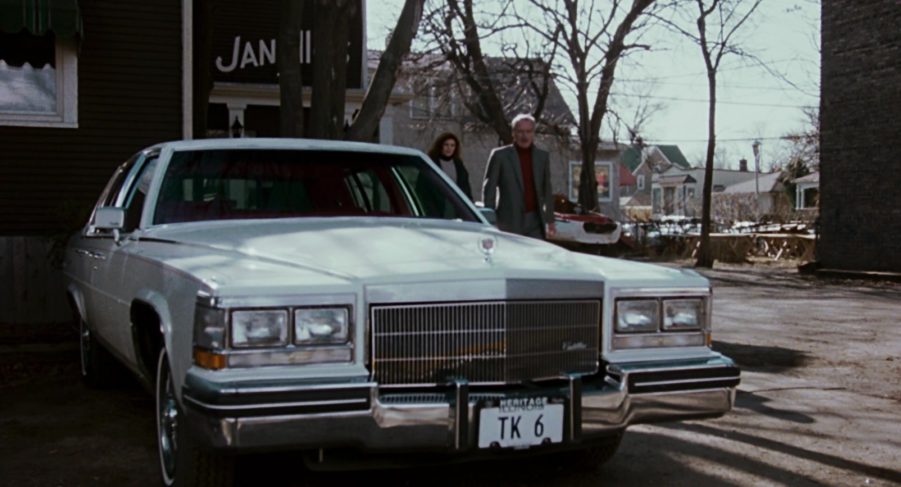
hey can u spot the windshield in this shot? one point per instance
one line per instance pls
(255, 183)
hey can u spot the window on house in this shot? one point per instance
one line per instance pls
(38, 80)
(809, 198)
(641, 182)
(432, 100)
(603, 171)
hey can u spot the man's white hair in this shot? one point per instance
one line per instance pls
(520, 118)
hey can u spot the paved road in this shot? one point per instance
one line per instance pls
(819, 404)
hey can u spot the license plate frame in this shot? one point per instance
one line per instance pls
(521, 422)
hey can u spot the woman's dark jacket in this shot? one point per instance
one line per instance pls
(462, 176)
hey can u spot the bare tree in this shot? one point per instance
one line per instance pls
(634, 117)
(290, 79)
(331, 32)
(491, 88)
(366, 122)
(717, 22)
(593, 39)
(203, 52)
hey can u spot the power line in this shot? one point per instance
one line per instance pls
(718, 140)
(718, 102)
(722, 69)
(719, 85)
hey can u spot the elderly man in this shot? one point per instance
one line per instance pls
(518, 184)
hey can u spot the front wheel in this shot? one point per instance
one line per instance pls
(182, 461)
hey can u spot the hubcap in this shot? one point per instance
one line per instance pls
(167, 423)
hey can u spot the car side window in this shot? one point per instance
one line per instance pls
(368, 192)
(136, 194)
(111, 193)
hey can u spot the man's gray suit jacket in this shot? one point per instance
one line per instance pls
(503, 188)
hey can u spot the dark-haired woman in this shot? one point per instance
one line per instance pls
(445, 152)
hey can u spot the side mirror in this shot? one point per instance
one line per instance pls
(489, 215)
(110, 219)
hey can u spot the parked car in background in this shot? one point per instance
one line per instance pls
(343, 299)
(577, 230)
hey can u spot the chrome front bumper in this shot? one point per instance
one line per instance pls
(363, 416)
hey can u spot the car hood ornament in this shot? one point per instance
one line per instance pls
(487, 245)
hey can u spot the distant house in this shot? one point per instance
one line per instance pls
(807, 192)
(760, 198)
(679, 192)
(643, 162)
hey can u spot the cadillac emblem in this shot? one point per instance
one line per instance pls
(487, 245)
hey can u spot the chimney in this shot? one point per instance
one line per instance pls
(743, 165)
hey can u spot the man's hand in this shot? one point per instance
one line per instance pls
(551, 230)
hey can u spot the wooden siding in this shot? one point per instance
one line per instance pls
(32, 290)
(129, 97)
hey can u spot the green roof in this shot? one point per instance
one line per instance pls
(631, 157)
(675, 155)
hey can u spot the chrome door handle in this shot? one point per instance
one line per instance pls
(91, 254)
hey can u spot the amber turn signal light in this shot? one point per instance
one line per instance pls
(209, 360)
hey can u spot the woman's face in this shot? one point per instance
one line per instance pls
(448, 148)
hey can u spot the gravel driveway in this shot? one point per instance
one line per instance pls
(819, 404)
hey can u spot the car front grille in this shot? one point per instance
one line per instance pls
(497, 342)
(592, 227)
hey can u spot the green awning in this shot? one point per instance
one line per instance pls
(41, 16)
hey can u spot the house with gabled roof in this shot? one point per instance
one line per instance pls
(643, 162)
(679, 192)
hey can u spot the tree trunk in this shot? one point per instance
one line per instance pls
(203, 78)
(705, 255)
(590, 127)
(588, 184)
(330, 36)
(366, 122)
(290, 78)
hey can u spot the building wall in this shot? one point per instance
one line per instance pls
(860, 170)
(129, 97)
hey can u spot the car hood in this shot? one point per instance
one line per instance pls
(384, 250)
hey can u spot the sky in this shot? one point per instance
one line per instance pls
(753, 103)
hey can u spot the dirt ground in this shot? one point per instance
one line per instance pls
(819, 404)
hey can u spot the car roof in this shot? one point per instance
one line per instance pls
(285, 144)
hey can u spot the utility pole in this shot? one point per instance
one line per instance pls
(756, 147)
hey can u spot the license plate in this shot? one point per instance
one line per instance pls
(520, 423)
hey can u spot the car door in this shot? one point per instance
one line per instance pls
(88, 249)
(111, 303)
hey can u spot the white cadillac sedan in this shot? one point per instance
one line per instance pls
(346, 300)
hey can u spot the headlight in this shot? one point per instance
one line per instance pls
(639, 315)
(320, 325)
(682, 314)
(259, 328)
